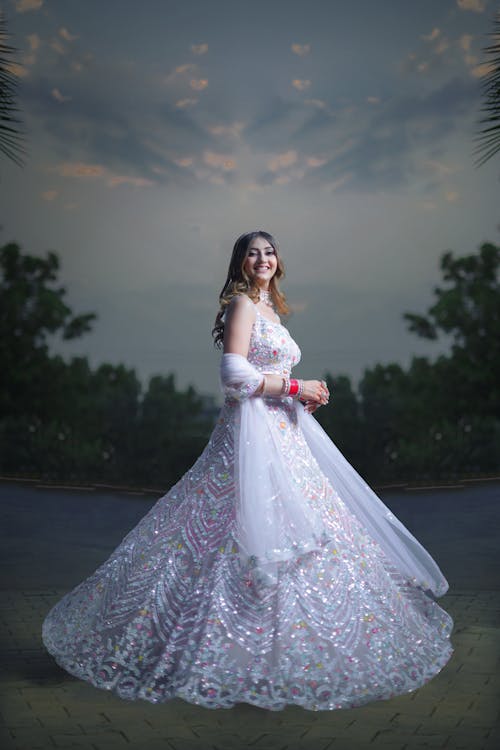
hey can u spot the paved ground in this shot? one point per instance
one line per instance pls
(45, 537)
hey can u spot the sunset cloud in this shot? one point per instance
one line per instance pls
(477, 6)
(481, 70)
(56, 94)
(80, 169)
(465, 42)
(125, 180)
(184, 162)
(234, 130)
(186, 68)
(301, 49)
(17, 70)
(185, 103)
(49, 195)
(432, 35)
(199, 49)
(33, 41)
(65, 34)
(219, 161)
(23, 6)
(300, 84)
(56, 45)
(198, 84)
(282, 161)
(315, 162)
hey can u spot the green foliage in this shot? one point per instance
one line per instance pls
(63, 419)
(435, 419)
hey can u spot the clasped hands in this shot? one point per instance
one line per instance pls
(315, 394)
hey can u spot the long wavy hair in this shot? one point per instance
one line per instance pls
(238, 281)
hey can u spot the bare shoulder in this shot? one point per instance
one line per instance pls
(241, 302)
(241, 306)
(241, 315)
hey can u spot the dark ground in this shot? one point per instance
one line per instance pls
(50, 539)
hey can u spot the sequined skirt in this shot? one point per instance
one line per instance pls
(173, 612)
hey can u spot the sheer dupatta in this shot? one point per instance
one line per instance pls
(274, 520)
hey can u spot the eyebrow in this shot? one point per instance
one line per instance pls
(269, 247)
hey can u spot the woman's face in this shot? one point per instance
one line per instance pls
(261, 262)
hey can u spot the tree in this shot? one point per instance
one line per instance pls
(489, 138)
(469, 311)
(11, 138)
(30, 310)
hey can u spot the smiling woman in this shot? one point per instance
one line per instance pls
(270, 573)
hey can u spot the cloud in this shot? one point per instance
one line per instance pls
(465, 42)
(33, 41)
(180, 70)
(126, 180)
(451, 196)
(81, 170)
(441, 46)
(234, 130)
(56, 94)
(282, 161)
(373, 99)
(477, 6)
(300, 84)
(56, 45)
(315, 162)
(184, 103)
(432, 35)
(198, 84)
(184, 162)
(301, 49)
(65, 34)
(17, 70)
(379, 147)
(319, 103)
(103, 124)
(199, 49)
(219, 161)
(479, 71)
(23, 6)
(49, 195)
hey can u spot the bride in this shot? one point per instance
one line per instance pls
(270, 573)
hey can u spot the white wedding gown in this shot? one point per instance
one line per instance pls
(269, 574)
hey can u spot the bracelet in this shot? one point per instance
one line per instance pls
(301, 389)
(294, 388)
(285, 388)
(264, 383)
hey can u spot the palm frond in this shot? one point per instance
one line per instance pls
(11, 137)
(488, 140)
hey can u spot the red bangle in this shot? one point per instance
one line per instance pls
(294, 387)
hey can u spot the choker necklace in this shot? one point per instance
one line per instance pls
(265, 296)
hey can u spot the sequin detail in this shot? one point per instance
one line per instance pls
(172, 613)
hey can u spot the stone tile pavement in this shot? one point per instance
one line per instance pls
(42, 707)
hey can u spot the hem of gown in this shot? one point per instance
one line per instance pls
(183, 692)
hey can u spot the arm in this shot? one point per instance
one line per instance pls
(240, 317)
(242, 382)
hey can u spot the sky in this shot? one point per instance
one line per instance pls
(157, 132)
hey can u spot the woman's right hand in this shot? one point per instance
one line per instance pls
(315, 391)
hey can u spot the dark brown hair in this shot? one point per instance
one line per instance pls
(238, 281)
